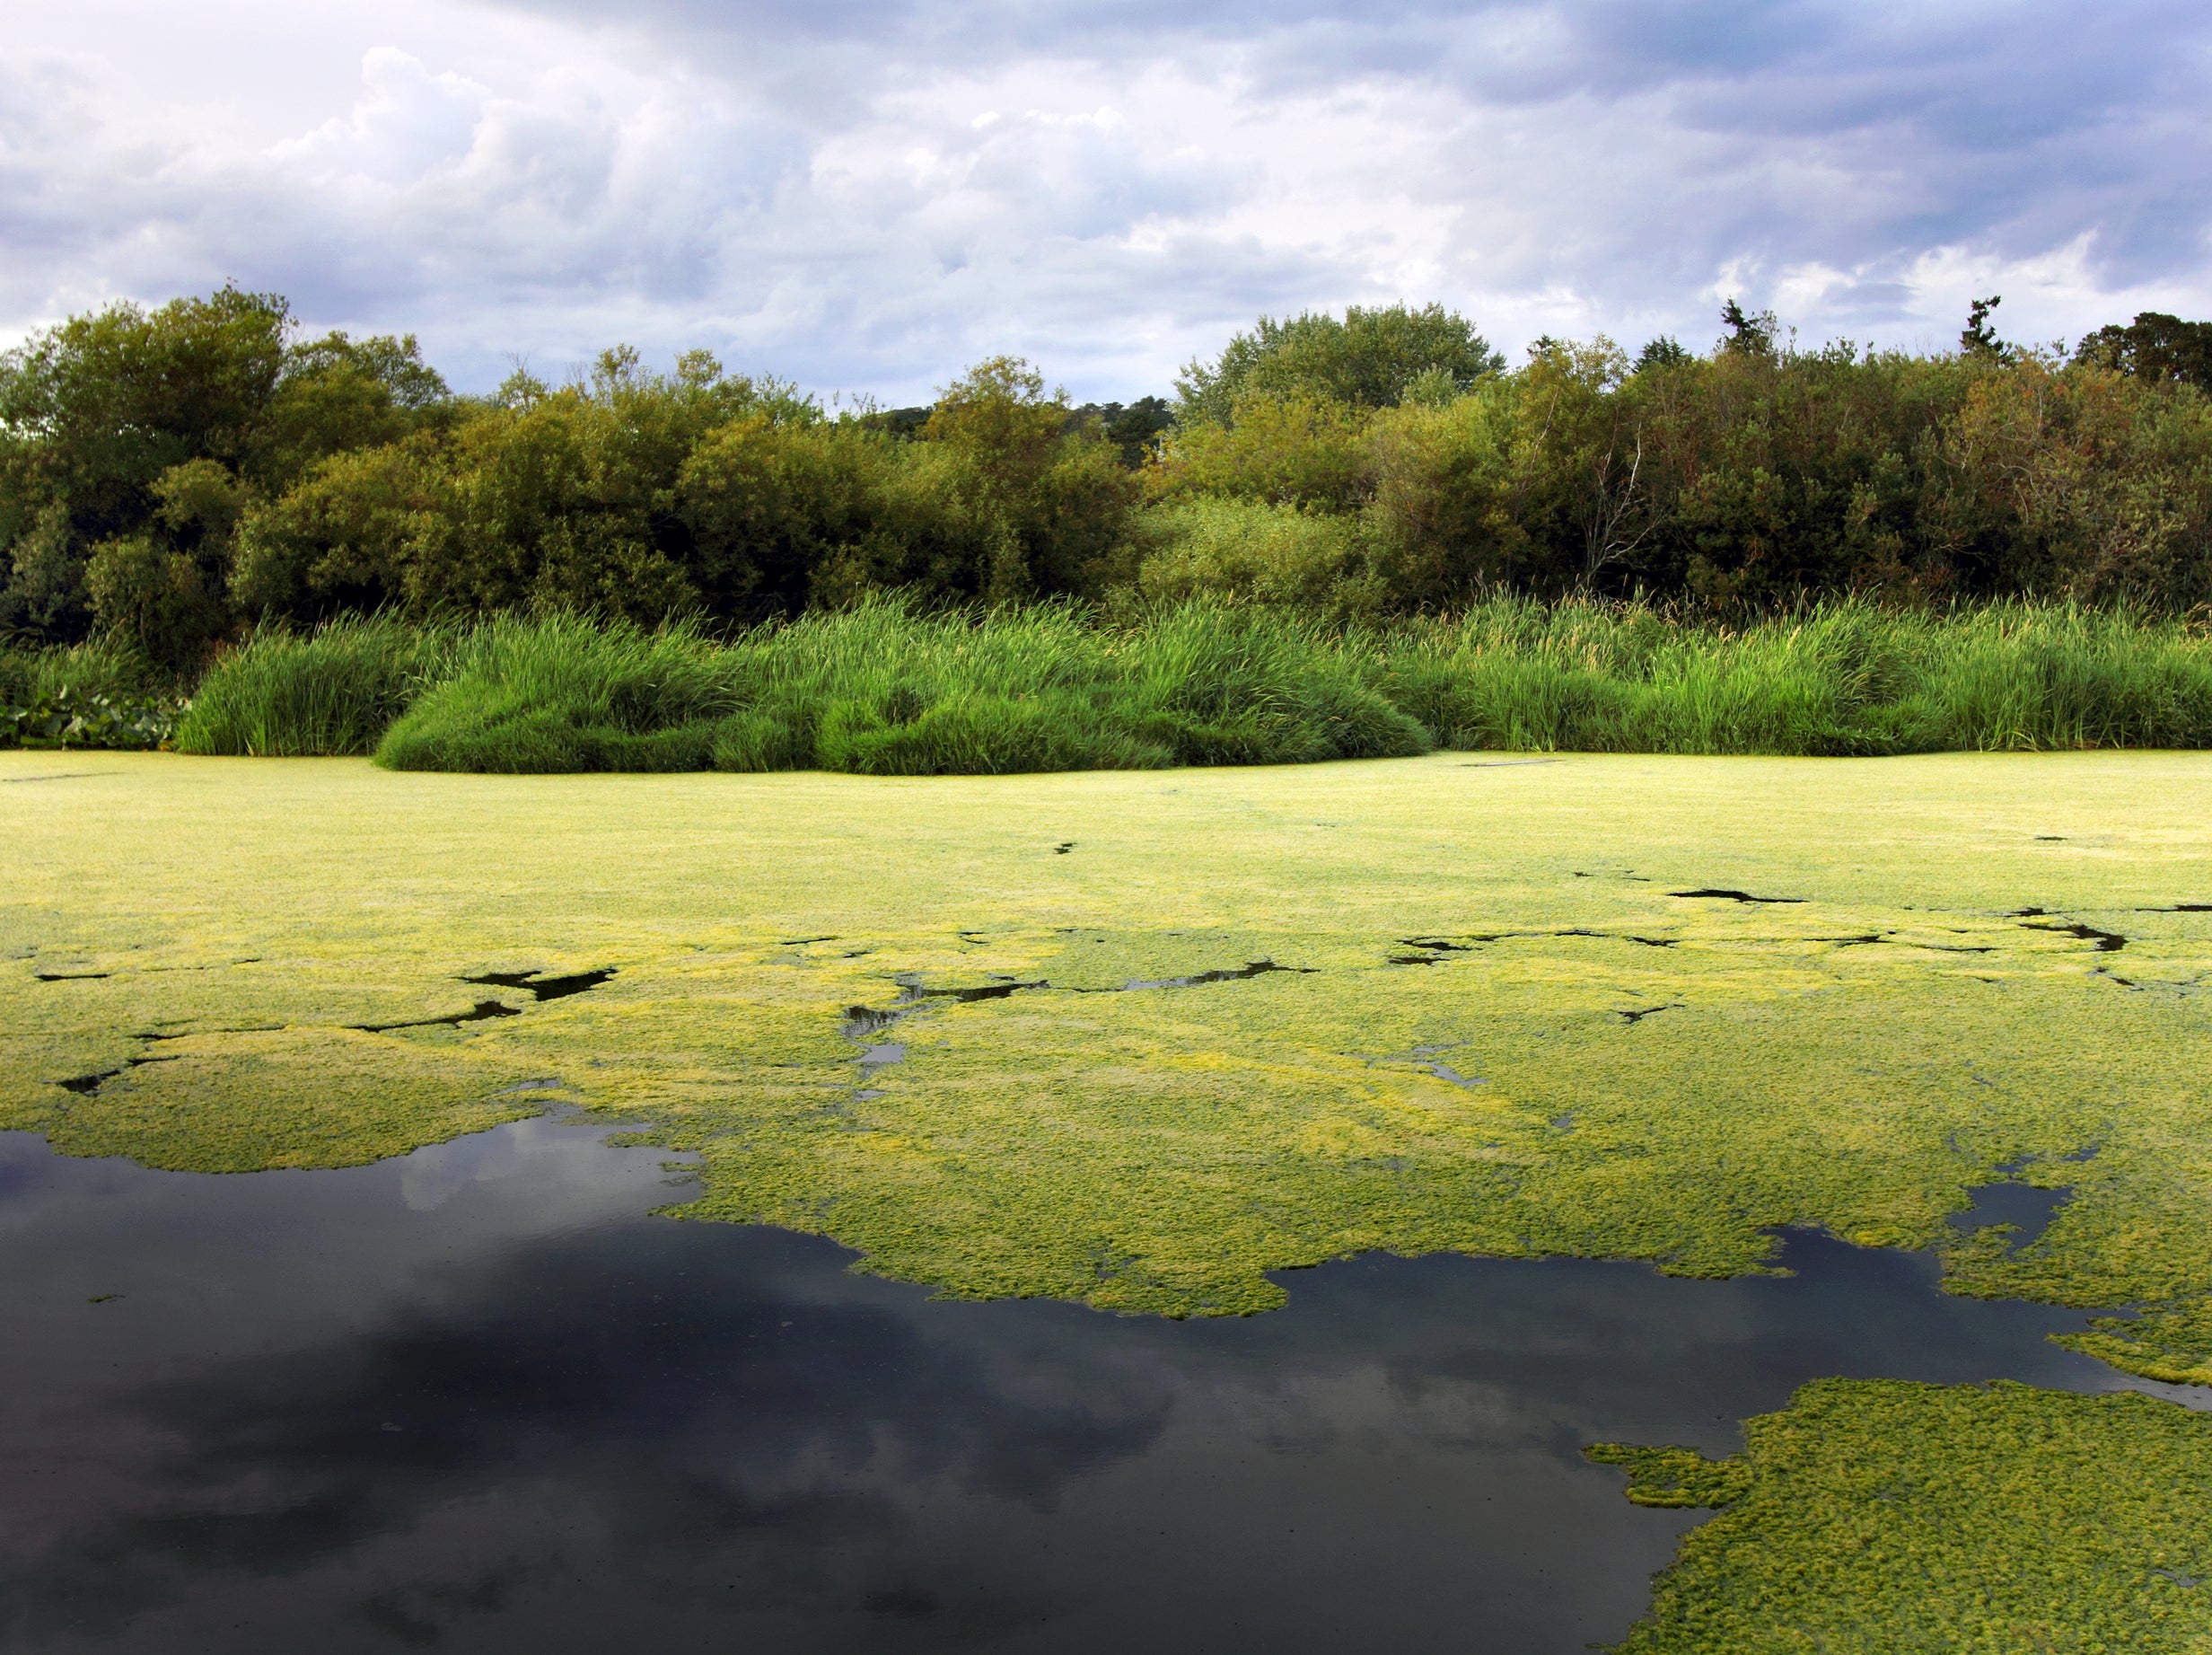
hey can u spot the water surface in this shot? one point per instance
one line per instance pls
(479, 1398)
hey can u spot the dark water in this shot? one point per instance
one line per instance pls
(478, 1399)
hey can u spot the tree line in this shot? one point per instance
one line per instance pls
(173, 477)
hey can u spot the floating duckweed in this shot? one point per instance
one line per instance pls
(1879, 1515)
(1148, 1076)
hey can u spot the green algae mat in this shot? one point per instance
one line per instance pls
(1873, 1516)
(1139, 1039)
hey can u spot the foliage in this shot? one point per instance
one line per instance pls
(1133, 429)
(2154, 346)
(1878, 1515)
(67, 719)
(1745, 481)
(1371, 359)
(882, 687)
(644, 496)
(1836, 678)
(1297, 449)
(1276, 554)
(94, 694)
(336, 690)
(568, 497)
(1978, 337)
(172, 478)
(879, 690)
(131, 442)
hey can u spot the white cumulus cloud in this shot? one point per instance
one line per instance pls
(867, 195)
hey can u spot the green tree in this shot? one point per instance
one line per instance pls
(150, 433)
(568, 497)
(2154, 346)
(772, 503)
(1369, 359)
(1978, 339)
(1750, 333)
(1295, 449)
(1007, 495)
(1135, 428)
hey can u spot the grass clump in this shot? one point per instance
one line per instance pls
(332, 692)
(560, 693)
(1842, 677)
(879, 690)
(100, 693)
(884, 688)
(1883, 1515)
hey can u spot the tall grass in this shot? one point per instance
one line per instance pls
(881, 689)
(336, 690)
(101, 694)
(1844, 676)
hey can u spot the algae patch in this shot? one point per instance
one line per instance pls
(1877, 1515)
(1212, 1044)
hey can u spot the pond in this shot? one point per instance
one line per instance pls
(479, 1396)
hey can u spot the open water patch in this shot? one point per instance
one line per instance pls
(542, 987)
(483, 1011)
(2108, 942)
(2023, 1210)
(1738, 896)
(480, 1397)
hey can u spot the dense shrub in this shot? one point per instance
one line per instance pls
(1281, 555)
(131, 442)
(1747, 479)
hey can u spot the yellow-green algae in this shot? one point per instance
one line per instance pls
(1499, 1030)
(1873, 1516)
(218, 939)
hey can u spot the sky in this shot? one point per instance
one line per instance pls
(865, 196)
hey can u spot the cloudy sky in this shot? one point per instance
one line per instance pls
(864, 194)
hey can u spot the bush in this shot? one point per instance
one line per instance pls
(156, 600)
(1276, 555)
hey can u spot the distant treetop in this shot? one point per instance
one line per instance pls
(1749, 332)
(1978, 337)
(1371, 359)
(2154, 346)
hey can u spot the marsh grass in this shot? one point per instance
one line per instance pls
(1841, 677)
(334, 691)
(884, 689)
(880, 689)
(95, 694)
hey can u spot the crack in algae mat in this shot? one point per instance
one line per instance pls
(1137, 1039)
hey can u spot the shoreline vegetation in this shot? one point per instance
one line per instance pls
(1342, 537)
(881, 689)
